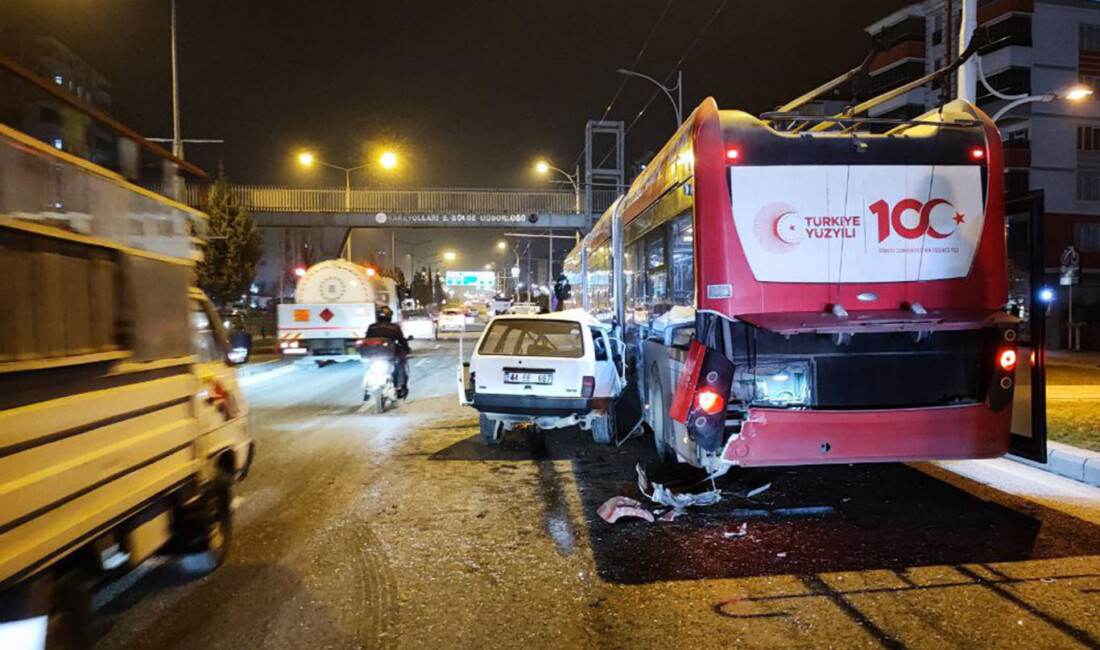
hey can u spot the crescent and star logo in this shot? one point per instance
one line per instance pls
(779, 228)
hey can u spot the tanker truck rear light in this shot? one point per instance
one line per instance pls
(709, 401)
(1007, 360)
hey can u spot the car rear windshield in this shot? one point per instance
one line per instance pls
(533, 337)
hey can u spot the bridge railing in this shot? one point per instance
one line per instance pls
(449, 201)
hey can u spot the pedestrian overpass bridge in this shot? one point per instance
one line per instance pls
(292, 218)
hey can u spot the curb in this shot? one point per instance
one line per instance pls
(1068, 461)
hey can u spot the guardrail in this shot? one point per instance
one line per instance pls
(443, 201)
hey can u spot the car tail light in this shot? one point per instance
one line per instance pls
(588, 386)
(1008, 360)
(709, 401)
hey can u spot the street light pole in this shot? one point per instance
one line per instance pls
(1073, 94)
(677, 102)
(177, 140)
(574, 179)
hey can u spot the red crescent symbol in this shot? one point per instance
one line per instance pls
(926, 216)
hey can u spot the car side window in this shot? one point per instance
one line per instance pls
(599, 344)
(204, 343)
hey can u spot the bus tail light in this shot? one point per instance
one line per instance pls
(1007, 360)
(733, 154)
(977, 153)
(709, 401)
(588, 386)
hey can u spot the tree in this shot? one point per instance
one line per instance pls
(398, 277)
(233, 246)
(440, 291)
(422, 288)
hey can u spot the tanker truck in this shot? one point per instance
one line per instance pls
(334, 304)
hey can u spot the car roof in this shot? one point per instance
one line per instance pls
(575, 315)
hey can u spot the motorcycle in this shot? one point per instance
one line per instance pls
(378, 356)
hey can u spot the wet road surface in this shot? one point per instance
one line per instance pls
(404, 530)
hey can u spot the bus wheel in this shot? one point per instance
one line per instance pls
(492, 431)
(659, 416)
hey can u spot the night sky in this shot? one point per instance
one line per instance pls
(469, 93)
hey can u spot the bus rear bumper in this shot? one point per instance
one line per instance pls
(790, 437)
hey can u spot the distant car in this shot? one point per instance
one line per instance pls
(551, 370)
(451, 319)
(417, 324)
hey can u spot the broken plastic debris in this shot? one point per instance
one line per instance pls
(740, 532)
(666, 497)
(617, 507)
(670, 514)
(757, 490)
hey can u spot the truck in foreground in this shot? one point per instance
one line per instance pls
(122, 427)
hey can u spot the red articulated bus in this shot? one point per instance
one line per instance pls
(813, 293)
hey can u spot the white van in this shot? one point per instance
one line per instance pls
(551, 370)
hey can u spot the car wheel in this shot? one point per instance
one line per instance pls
(69, 626)
(659, 418)
(215, 527)
(603, 428)
(492, 431)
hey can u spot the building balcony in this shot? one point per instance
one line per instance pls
(998, 8)
(899, 52)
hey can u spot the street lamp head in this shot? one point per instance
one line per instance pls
(501, 245)
(542, 167)
(388, 160)
(305, 159)
(1076, 93)
(450, 256)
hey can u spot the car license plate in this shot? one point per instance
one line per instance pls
(511, 377)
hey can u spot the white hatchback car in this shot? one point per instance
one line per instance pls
(551, 370)
(451, 319)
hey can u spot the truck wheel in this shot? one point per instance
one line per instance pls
(603, 428)
(215, 527)
(492, 431)
(70, 620)
(659, 417)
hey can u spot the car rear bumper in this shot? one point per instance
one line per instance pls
(791, 437)
(536, 406)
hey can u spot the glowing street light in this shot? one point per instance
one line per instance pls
(388, 160)
(450, 256)
(543, 167)
(501, 245)
(1076, 93)
(305, 159)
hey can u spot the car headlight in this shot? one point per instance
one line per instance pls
(786, 384)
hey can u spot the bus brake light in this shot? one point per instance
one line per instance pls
(1008, 360)
(709, 401)
(977, 153)
(733, 154)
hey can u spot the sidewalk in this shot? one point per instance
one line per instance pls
(1073, 416)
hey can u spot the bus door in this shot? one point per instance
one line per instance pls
(1030, 299)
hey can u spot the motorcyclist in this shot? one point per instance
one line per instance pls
(384, 327)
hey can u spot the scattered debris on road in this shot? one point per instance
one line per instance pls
(757, 490)
(678, 501)
(740, 532)
(617, 507)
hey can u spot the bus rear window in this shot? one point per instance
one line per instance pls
(533, 337)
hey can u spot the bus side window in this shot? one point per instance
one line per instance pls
(681, 238)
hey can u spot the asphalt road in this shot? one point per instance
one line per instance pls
(404, 530)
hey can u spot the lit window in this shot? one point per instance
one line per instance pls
(58, 144)
(59, 80)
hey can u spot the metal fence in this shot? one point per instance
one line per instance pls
(442, 201)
